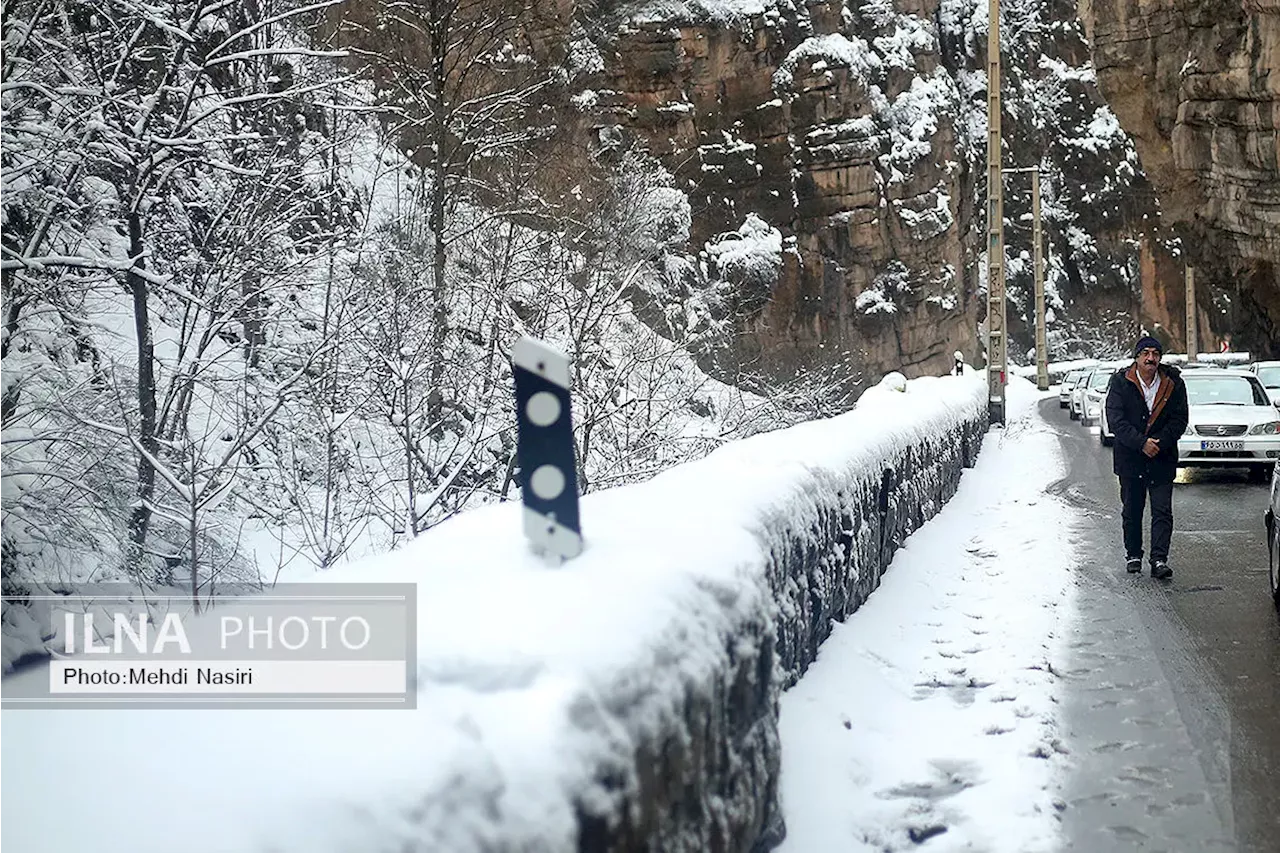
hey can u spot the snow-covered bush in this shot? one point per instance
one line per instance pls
(749, 259)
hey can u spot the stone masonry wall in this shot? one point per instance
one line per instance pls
(717, 790)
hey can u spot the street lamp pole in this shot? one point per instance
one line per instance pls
(1193, 338)
(1037, 254)
(1042, 334)
(997, 345)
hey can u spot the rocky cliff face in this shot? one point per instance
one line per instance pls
(833, 158)
(1196, 83)
(858, 131)
(849, 150)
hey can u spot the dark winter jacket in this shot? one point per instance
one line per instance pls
(1132, 424)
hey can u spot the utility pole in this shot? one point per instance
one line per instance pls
(1042, 335)
(1192, 332)
(997, 344)
(1037, 254)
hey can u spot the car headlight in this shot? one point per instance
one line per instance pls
(1269, 428)
(1191, 430)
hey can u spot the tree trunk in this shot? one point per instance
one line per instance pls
(140, 519)
(440, 312)
(406, 432)
(440, 32)
(251, 320)
(193, 532)
(508, 477)
(329, 370)
(13, 310)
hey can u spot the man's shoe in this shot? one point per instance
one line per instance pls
(1134, 565)
(1160, 570)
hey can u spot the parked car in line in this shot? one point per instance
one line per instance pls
(1094, 399)
(1075, 404)
(1268, 373)
(1271, 520)
(1068, 384)
(1105, 433)
(1232, 423)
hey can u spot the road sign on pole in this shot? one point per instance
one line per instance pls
(544, 449)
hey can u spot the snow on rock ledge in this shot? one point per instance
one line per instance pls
(627, 701)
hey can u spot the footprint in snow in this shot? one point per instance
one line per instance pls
(950, 777)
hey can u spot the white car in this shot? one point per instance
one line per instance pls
(1094, 399)
(1105, 434)
(1068, 384)
(1232, 423)
(1075, 405)
(1268, 372)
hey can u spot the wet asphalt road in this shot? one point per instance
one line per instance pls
(1173, 699)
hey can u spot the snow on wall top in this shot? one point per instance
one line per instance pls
(530, 678)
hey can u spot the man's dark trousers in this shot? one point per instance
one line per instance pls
(1133, 497)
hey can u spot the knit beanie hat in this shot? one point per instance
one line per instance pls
(1144, 343)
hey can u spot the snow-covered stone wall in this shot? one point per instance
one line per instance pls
(625, 701)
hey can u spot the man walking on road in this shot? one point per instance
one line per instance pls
(1147, 411)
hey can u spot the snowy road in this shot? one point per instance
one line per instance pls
(1010, 688)
(1187, 755)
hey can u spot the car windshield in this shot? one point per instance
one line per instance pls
(1225, 391)
(1270, 376)
(1072, 378)
(1099, 380)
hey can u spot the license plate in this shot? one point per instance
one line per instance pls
(1222, 445)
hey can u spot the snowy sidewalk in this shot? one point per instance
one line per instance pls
(933, 712)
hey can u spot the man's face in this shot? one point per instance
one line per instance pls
(1148, 359)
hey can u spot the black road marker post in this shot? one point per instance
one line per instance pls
(548, 471)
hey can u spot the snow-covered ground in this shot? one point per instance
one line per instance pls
(930, 713)
(530, 678)
(933, 710)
